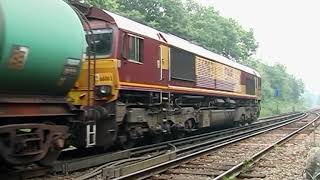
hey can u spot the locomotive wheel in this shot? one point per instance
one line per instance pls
(180, 134)
(157, 138)
(52, 154)
(190, 124)
(243, 120)
(126, 142)
(50, 157)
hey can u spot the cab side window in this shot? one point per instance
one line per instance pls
(135, 50)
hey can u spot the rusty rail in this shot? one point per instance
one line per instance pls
(148, 169)
(236, 170)
(66, 167)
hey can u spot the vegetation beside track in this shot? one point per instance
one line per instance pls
(290, 96)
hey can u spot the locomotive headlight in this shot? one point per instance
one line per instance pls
(103, 91)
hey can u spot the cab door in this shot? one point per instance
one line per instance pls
(164, 63)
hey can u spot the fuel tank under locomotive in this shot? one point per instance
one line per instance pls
(41, 47)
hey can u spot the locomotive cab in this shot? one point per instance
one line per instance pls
(98, 85)
(98, 78)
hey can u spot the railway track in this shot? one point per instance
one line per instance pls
(145, 161)
(236, 159)
(183, 145)
(178, 151)
(91, 161)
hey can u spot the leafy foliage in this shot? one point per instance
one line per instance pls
(276, 77)
(189, 20)
(225, 36)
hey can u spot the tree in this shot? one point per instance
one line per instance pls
(105, 4)
(191, 21)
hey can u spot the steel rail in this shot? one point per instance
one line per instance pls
(164, 152)
(276, 116)
(239, 134)
(203, 136)
(159, 168)
(208, 137)
(236, 170)
(86, 162)
(180, 152)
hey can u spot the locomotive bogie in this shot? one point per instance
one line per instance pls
(28, 143)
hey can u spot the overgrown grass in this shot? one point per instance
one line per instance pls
(275, 106)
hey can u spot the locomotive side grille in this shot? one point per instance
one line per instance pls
(182, 65)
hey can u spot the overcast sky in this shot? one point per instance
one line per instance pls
(288, 32)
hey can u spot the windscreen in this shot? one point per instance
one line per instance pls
(101, 42)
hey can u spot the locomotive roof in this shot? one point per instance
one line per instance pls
(135, 27)
(188, 46)
(143, 30)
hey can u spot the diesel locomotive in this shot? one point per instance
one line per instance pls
(41, 53)
(139, 82)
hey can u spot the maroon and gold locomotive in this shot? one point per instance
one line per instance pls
(138, 82)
